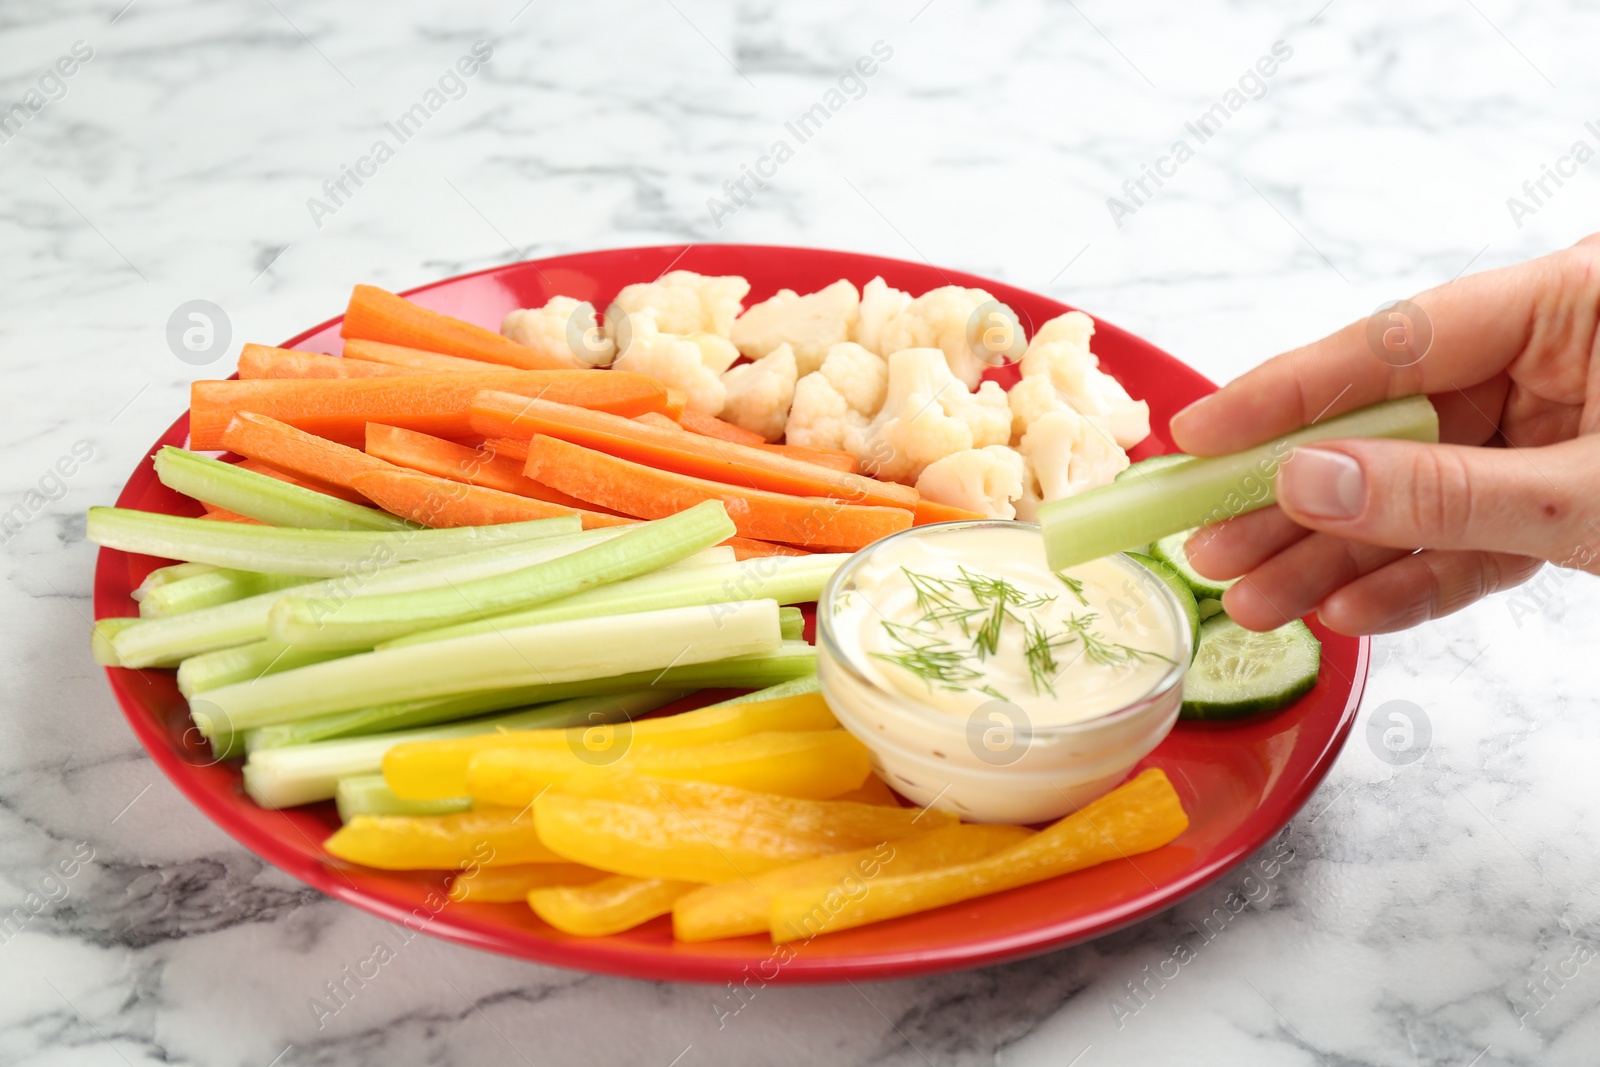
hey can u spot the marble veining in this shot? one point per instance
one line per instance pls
(1442, 912)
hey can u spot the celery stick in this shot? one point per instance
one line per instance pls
(285, 550)
(369, 794)
(794, 660)
(786, 579)
(256, 496)
(174, 572)
(301, 774)
(1136, 511)
(362, 622)
(806, 683)
(101, 636)
(171, 639)
(224, 666)
(573, 651)
(220, 585)
(791, 623)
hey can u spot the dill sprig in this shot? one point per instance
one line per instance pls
(1098, 650)
(932, 659)
(1039, 648)
(1074, 584)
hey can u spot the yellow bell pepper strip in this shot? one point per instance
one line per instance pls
(699, 832)
(872, 791)
(607, 907)
(816, 764)
(744, 905)
(1136, 817)
(433, 770)
(487, 837)
(511, 885)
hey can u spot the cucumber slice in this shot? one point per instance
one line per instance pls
(1154, 463)
(1237, 671)
(1169, 550)
(1180, 589)
(1208, 606)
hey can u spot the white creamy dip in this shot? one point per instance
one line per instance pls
(963, 616)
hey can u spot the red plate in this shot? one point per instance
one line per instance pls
(1240, 783)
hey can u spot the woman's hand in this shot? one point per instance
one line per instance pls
(1515, 481)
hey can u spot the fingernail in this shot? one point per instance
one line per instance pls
(1183, 413)
(1322, 484)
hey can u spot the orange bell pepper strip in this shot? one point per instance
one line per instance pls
(435, 770)
(609, 907)
(816, 763)
(488, 837)
(744, 905)
(512, 884)
(697, 832)
(1136, 817)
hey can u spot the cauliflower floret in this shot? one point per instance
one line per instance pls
(1060, 352)
(879, 304)
(686, 302)
(985, 480)
(1066, 454)
(810, 324)
(834, 404)
(563, 329)
(716, 352)
(759, 393)
(972, 328)
(677, 362)
(929, 414)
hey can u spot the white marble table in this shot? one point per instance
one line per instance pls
(1442, 912)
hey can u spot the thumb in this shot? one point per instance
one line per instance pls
(1404, 494)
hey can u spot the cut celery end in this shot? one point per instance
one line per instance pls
(794, 660)
(1142, 510)
(365, 621)
(303, 774)
(101, 640)
(580, 650)
(792, 624)
(165, 641)
(224, 666)
(173, 572)
(284, 550)
(257, 496)
(220, 585)
(369, 794)
(786, 579)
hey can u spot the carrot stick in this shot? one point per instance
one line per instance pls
(933, 511)
(483, 466)
(838, 459)
(378, 353)
(501, 415)
(711, 426)
(650, 493)
(510, 447)
(749, 548)
(307, 455)
(377, 315)
(439, 502)
(305, 483)
(224, 515)
(260, 361)
(340, 408)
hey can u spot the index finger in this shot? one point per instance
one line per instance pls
(1478, 325)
